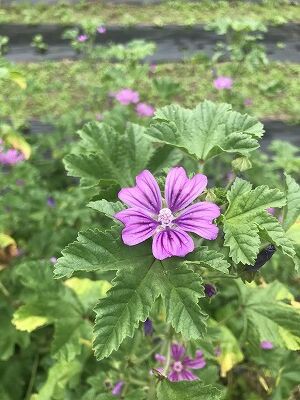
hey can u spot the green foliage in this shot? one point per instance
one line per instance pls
(60, 374)
(211, 259)
(230, 352)
(99, 250)
(131, 298)
(292, 209)
(187, 391)
(128, 302)
(110, 156)
(181, 290)
(106, 208)
(206, 131)
(246, 216)
(267, 316)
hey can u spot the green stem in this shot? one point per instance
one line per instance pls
(32, 377)
(137, 382)
(4, 290)
(168, 359)
(148, 354)
(152, 391)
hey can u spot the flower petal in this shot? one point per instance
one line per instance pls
(187, 375)
(180, 191)
(171, 242)
(174, 376)
(146, 194)
(139, 226)
(177, 351)
(198, 218)
(197, 363)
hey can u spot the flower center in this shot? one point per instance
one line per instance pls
(177, 366)
(165, 217)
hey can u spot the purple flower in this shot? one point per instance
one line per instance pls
(181, 364)
(127, 96)
(148, 327)
(248, 102)
(266, 345)
(209, 290)
(144, 110)
(117, 389)
(82, 38)
(169, 220)
(101, 29)
(160, 358)
(223, 82)
(11, 157)
(51, 202)
(53, 260)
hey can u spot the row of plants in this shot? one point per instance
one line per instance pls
(137, 307)
(78, 91)
(167, 12)
(244, 54)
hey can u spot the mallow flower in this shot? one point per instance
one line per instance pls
(117, 389)
(266, 345)
(144, 110)
(82, 38)
(101, 29)
(127, 96)
(223, 82)
(181, 365)
(11, 157)
(167, 220)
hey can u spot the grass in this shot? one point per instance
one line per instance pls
(180, 12)
(71, 91)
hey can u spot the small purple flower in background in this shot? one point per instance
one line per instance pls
(271, 210)
(117, 389)
(11, 157)
(248, 102)
(144, 110)
(101, 29)
(266, 345)
(51, 202)
(127, 96)
(223, 82)
(168, 220)
(209, 290)
(181, 364)
(53, 260)
(160, 358)
(20, 182)
(148, 327)
(82, 38)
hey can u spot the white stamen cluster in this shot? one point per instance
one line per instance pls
(165, 217)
